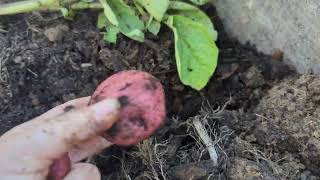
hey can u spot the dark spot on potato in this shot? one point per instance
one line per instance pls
(152, 84)
(139, 121)
(125, 86)
(114, 130)
(127, 136)
(124, 101)
(68, 108)
(126, 125)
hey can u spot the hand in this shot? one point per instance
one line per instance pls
(29, 150)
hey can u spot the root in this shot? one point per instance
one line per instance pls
(205, 131)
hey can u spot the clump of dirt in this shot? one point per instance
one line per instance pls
(241, 168)
(288, 119)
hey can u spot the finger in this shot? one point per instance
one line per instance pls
(45, 140)
(60, 168)
(91, 147)
(83, 171)
(73, 104)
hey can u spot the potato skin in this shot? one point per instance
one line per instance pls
(143, 105)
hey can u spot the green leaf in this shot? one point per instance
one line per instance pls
(102, 21)
(156, 8)
(67, 14)
(194, 13)
(111, 34)
(199, 2)
(109, 13)
(196, 52)
(128, 23)
(111, 31)
(140, 8)
(154, 26)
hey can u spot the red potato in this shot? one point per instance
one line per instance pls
(143, 105)
(143, 110)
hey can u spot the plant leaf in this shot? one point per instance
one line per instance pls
(199, 2)
(67, 13)
(128, 23)
(109, 13)
(111, 34)
(156, 8)
(102, 21)
(140, 8)
(153, 26)
(196, 52)
(194, 13)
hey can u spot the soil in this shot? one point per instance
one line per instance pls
(267, 126)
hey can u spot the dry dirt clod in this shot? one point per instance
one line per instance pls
(288, 119)
(253, 77)
(194, 171)
(249, 170)
(55, 34)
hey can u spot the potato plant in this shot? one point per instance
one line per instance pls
(195, 50)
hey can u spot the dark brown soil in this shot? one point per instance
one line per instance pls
(46, 60)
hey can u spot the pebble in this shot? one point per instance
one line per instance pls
(56, 33)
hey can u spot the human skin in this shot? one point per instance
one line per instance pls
(73, 129)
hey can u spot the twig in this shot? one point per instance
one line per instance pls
(33, 73)
(3, 31)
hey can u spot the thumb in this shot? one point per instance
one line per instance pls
(44, 140)
(83, 171)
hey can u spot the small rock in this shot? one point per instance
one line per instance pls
(17, 59)
(55, 34)
(86, 65)
(34, 99)
(193, 171)
(278, 55)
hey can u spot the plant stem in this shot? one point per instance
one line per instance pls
(28, 6)
(45, 5)
(81, 5)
